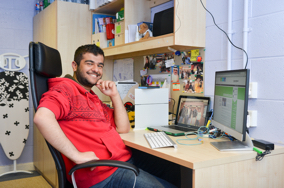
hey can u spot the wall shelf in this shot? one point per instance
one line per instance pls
(150, 46)
(110, 8)
(189, 27)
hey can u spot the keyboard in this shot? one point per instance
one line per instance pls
(159, 140)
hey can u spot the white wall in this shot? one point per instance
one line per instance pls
(16, 31)
(266, 58)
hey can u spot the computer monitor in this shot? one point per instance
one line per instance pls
(230, 108)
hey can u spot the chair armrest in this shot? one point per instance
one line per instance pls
(113, 163)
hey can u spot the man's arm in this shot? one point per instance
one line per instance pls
(120, 116)
(48, 126)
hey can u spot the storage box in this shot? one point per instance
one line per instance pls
(151, 107)
(100, 40)
(119, 39)
(119, 27)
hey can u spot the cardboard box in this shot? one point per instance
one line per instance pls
(100, 40)
(119, 27)
(119, 39)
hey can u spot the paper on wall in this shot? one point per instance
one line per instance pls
(143, 72)
(170, 63)
(123, 69)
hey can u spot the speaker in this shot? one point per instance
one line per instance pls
(163, 22)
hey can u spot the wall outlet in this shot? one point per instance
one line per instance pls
(253, 90)
(252, 118)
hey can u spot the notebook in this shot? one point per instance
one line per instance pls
(190, 115)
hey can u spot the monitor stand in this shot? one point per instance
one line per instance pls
(236, 145)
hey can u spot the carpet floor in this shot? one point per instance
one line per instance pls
(23, 180)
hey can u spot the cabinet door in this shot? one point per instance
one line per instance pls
(43, 160)
(44, 27)
(189, 23)
(74, 28)
(63, 26)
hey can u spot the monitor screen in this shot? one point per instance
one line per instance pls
(192, 110)
(231, 101)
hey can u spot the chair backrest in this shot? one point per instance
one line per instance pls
(45, 63)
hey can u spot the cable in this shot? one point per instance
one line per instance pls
(260, 155)
(200, 134)
(178, 17)
(226, 34)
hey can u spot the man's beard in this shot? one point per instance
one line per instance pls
(84, 81)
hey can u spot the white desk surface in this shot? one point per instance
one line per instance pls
(193, 157)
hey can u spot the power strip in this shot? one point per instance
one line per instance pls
(262, 144)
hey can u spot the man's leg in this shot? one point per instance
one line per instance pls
(127, 179)
(156, 166)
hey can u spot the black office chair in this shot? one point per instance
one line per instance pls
(45, 63)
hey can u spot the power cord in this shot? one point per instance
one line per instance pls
(199, 135)
(226, 34)
(178, 17)
(261, 154)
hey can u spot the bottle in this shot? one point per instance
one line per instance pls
(45, 3)
(37, 8)
(41, 6)
(137, 37)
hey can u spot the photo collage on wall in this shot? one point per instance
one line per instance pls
(158, 61)
(191, 72)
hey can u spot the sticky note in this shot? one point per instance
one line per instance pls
(194, 54)
(118, 29)
(176, 86)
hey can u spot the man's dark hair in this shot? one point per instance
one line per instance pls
(89, 48)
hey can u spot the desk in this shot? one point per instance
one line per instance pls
(212, 168)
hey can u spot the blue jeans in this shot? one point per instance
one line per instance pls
(153, 174)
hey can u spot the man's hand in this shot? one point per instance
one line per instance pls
(86, 157)
(107, 87)
(120, 116)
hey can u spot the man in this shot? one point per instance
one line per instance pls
(175, 75)
(198, 116)
(198, 84)
(71, 117)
